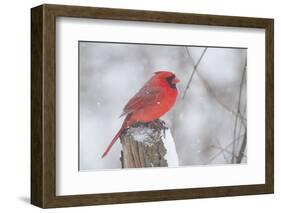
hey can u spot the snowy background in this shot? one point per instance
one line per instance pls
(208, 125)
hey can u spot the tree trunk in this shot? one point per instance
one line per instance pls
(143, 145)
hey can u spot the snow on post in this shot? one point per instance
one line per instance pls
(148, 145)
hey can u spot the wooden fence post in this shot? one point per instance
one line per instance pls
(143, 145)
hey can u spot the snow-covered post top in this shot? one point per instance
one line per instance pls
(148, 145)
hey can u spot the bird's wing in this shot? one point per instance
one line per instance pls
(146, 96)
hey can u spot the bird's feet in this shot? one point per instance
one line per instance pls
(159, 124)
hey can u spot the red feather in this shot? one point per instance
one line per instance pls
(151, 102)
(145, 97)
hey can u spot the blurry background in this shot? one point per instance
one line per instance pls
(208, 124)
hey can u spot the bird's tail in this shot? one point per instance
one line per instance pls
(127, 122)
(112, 142)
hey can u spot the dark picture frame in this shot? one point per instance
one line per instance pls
(43, 105)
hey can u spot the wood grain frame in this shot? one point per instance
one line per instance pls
(43, 105)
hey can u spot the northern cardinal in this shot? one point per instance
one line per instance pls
(151, 102)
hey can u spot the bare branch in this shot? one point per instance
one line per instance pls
(242, 149)
(244, 142)
(225, 148)
(227, 151)
(212, 92)
(220, 147)
(194, 70)
(238, 112)
(238, 115)
(240, 128)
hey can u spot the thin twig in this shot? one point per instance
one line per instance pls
(194, 70)
(245, 126)
(220, 147)
(227, 146)
(226, 150)
(240, 128)
(212, 92)
(242, 149)
(238, 111)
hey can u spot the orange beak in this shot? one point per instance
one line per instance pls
(175, 80)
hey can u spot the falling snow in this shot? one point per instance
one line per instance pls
(111, 74)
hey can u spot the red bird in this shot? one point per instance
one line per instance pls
(151, 102)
